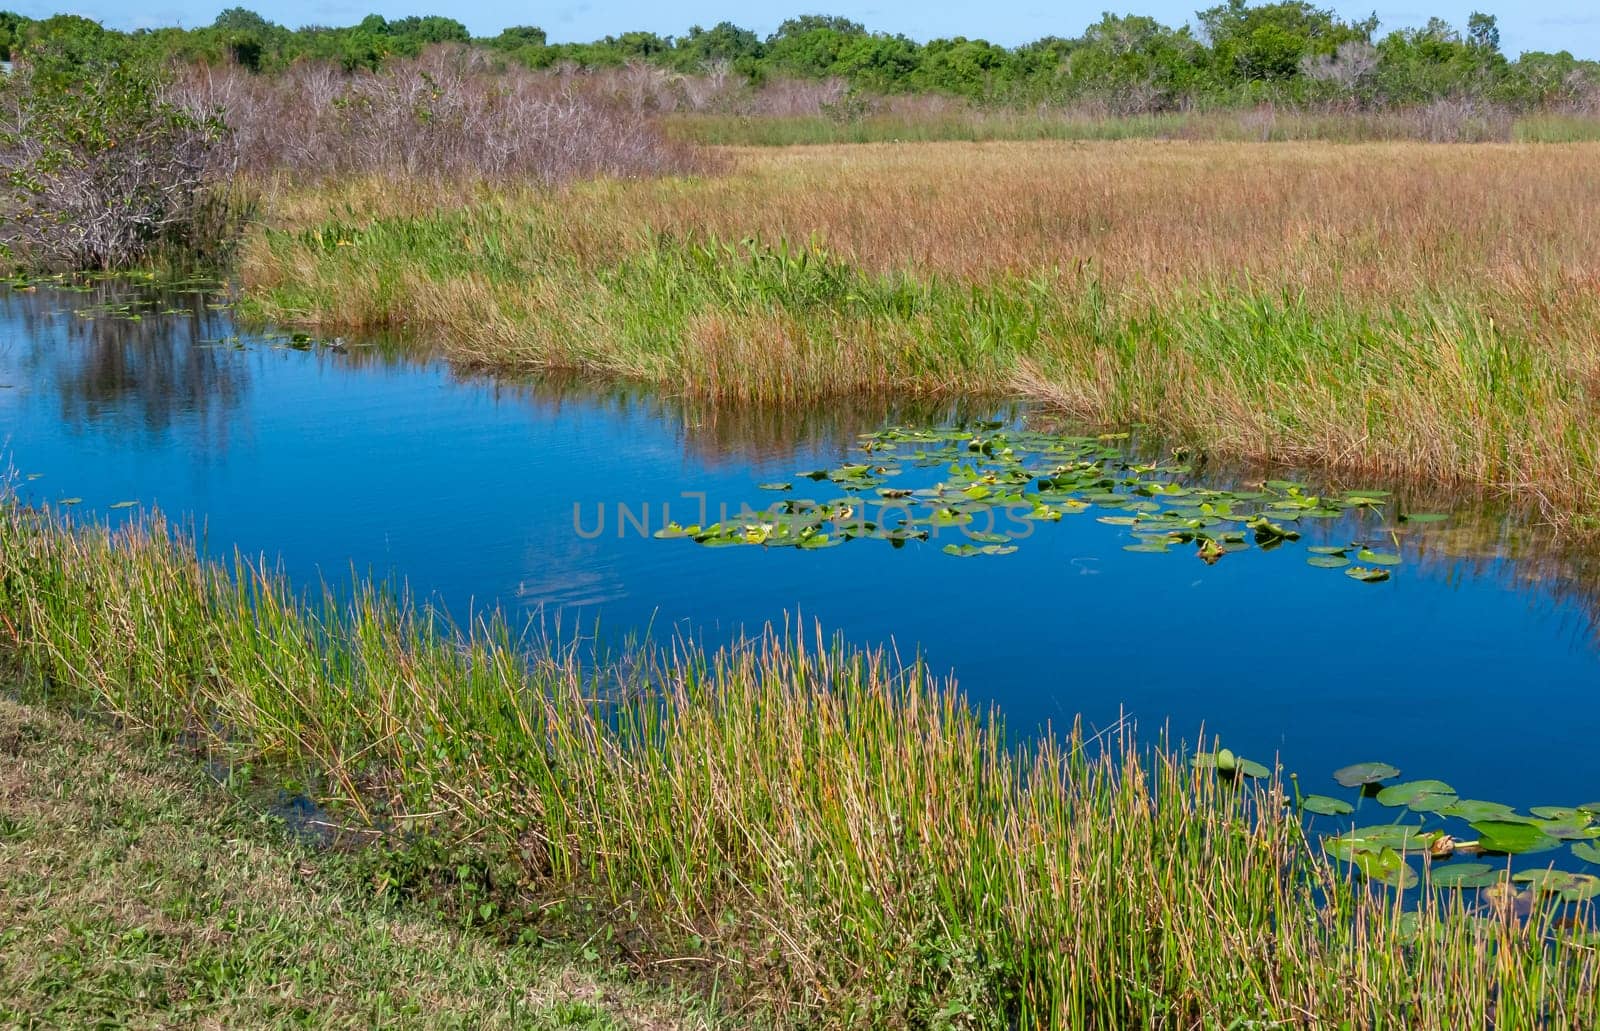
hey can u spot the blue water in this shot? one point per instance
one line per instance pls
(1479, 671)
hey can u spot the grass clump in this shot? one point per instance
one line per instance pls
(837, 835)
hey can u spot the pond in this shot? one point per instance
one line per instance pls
(1475, 661)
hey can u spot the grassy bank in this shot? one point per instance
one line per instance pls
(1396, 310)
(134, 891)
(810, 828)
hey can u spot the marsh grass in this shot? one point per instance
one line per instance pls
(1311, 306)
(831, 831)
(1443, 122)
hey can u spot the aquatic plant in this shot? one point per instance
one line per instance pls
(1000, 480)
(837, 834)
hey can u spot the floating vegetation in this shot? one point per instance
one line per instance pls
(995, 482)
(1383, 853)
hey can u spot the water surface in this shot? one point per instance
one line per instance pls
(1479, 669)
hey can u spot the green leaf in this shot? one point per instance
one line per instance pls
(1470, 809)
(775, 486)
(1463, 875)
(1386, 867)
(1322, 805)
(1423, 796)
(1361, 774)
(1328, 561)
(1512, 836)
(1378, 558)
(1586, 852)
(1367, 576)
(1371, 839)
(123, 504)
(1571, 887)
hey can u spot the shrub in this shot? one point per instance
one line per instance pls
(100, 169)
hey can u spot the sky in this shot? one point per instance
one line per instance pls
(1525, 25)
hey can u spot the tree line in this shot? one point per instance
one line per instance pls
(1235, 53)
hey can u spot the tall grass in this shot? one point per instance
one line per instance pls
(1324, 310)
(923, 119)
(839, 834)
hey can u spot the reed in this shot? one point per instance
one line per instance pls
(839, 835)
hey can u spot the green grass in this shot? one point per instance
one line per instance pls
(136, 891)
(807, 826)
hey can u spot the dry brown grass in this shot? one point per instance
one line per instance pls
(1386, 218)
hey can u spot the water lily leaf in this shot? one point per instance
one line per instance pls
(70, 501)
(1378, 558)
(775, 486)
(1326, 549)
(1463, 875)
(1386, 867)
(1251, 768)
(1423, 796)
(1471, 809)
(1323, 805)
(1147, 549)
(1403, 837)
(1571, 887)
(1564, 814)
(122, 504)
(1514, 837)
(1367, 576)
(1586, 852)
(1328, 561)
(1361, 774)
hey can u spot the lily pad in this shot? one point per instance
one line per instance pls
(1570, 887)
(122, 504)
(1513, 837)
(775, 486)
(1323, 805)
(1361, 774)
(1328, 561)
(1386, 867)
(1378, 558)
(1464, 875)
(1586, 852)
(1403, 837)
(1423, 796)
(1471, 809)
(1366, 575)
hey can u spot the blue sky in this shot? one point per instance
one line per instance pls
(1528, 25)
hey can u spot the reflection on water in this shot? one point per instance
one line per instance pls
(134, 375)
(372, 459)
